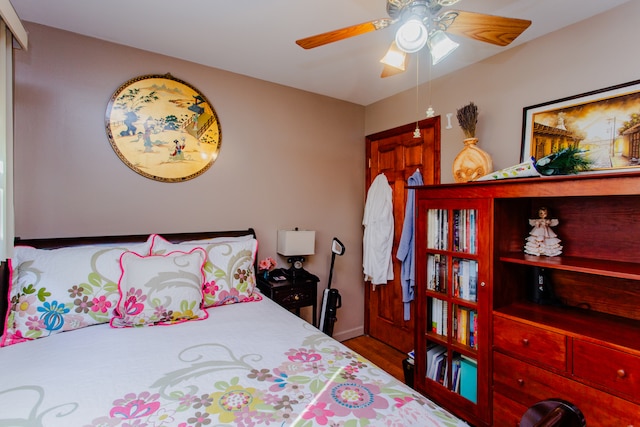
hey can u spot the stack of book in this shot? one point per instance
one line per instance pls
(465, 279)
(464, 230)
(437, 273)
(437, 363)
(439, 315)
(464, 371)
(438, 221)
(465, 326)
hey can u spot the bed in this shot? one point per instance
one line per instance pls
(240, 360)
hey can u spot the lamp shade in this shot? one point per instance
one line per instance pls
(440, 46)
(395, 57)
(296, 242)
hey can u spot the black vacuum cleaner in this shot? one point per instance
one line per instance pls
(331, 300)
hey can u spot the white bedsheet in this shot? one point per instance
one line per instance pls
(249, 364)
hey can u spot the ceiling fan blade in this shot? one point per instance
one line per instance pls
(496, 30)
(343, 33)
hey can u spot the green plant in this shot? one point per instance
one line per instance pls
(564, 162)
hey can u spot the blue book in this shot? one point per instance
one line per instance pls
(472, 231)
(473, 280)
(469, 379)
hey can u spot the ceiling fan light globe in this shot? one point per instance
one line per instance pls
(395, 57)
(440, 46)
(412, 35)
(446, 3)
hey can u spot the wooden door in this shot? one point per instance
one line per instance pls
(397, 154)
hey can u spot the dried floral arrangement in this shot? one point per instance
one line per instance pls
(468, 118)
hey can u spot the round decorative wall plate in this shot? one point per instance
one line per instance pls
(163, 128)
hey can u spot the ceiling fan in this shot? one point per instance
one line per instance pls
(422, 22)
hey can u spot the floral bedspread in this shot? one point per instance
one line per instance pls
(249, 364)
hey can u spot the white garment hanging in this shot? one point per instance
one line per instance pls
(378, 233)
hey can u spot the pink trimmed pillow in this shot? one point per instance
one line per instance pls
(58, 290)
(160, 289)
(229, 271)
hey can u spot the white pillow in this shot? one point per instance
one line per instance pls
(220, 239)
(229, 270)
(160, 289)
(57, 290)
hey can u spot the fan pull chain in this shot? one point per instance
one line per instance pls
(416, 132)
(430, 112)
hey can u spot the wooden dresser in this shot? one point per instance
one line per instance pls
(584, 347)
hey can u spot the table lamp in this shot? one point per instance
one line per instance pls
(296, 244)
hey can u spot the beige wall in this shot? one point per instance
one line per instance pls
(590, 55)
(289, 158)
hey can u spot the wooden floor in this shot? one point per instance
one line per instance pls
(382, 355)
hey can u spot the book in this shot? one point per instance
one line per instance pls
(463, 326)
(445, 229)
(434, 315)
(468, 378)
(464, 279)
(472, 329)
(439, 313)
(443, 274)
(432, 353)
(433, 226)
(443, 320)
(475, 330)
(439, 309)
(455, 277)
(473, 280)
(472, 231)
(438, 273)
(467, 233)
(431, 272)
(455, 374)
(456, 230)
(439, 365)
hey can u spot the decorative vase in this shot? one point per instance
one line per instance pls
(471, 163)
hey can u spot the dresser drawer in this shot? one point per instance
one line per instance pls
(613, 369)
(532, 343)
(293, 297)
(506, 412)
(527, 384)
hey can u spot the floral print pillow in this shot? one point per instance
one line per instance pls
(58, 290)
(160, 289)
(229, 269)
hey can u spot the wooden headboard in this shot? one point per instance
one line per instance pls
(60, 242)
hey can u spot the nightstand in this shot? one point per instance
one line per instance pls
(292, 293)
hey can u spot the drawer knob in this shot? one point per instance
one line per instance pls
(296, 297)
(525, 342)
(482, 284)
(520, 382)
(621, 373)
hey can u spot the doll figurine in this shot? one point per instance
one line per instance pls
(542, 240)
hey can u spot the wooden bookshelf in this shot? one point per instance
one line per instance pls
(584, 347)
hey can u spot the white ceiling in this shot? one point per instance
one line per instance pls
(256, 38)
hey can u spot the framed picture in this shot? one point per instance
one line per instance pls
(163, 128)
(604, 123)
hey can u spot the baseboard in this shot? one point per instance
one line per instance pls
(348, 334)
